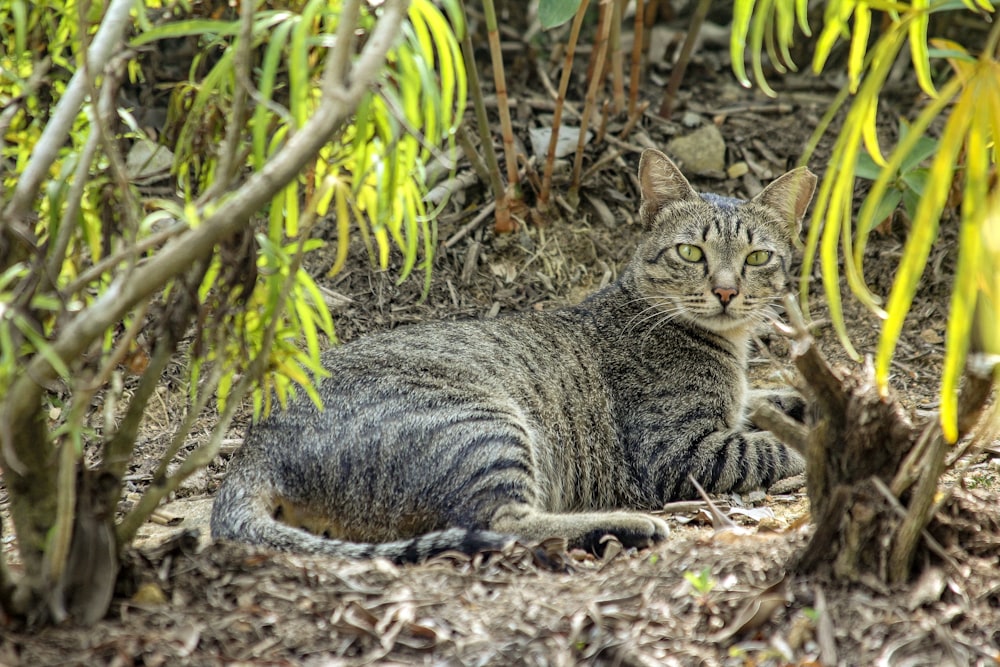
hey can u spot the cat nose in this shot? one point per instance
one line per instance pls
(725, 294)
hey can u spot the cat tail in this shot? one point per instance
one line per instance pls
(242, 513)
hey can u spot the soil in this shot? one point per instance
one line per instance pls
(710, 595)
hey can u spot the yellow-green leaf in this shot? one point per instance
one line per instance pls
(918, 46)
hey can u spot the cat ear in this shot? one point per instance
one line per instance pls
(790, 195)
(661, 182)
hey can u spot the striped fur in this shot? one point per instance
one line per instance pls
(569, 423)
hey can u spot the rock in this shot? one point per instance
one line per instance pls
(702, 151)
(738, 169)
(569, 137)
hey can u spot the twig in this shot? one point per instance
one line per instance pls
(974, 396)
(789, 431)
(465, 141)
(444, 190)
(610, 156)
(617, 58)
(635, 115)
(469, 226)
(500, 85)
(134, 250)
(67, 222)
(898, 508)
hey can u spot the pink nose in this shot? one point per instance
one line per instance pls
(725, 294)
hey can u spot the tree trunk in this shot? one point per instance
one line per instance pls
(871, 474)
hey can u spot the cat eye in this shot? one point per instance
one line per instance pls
(758, 257)
(691, 253)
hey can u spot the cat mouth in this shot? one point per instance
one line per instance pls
(726, 318)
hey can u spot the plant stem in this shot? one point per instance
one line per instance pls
(596, 80)
(550, 158)
(502, 217)
(677, 75)
(617, 58)
(992, 46)
(634, 66)
(227, 167)
(500, 82)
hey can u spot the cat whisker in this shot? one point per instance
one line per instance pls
(657, 305)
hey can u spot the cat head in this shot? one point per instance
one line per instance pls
(719, 262)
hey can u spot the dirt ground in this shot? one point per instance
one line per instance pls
(708, 596)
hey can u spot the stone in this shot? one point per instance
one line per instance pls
(701, 151)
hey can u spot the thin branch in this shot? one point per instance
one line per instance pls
(126, 254)
(500, 84)
(634, 66)
(106, 111)
(228, 163)
(109, 35)
(617, 57)
(67, 224)
(118, 449)
(677, 75)
(789, 431)
(898, 508)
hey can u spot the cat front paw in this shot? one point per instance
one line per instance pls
(787, 401)
(638, 531)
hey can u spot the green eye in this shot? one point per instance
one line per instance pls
(691, 253)
(758, 257)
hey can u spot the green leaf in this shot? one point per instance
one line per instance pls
(908, 140)
(19, 11)
(887, 206)
(867, 168)
(41, 346)
(859, 45)
(955, 54)
(552, 13)
(757, 30)
(187, 29)
(925, 148)
(919, 48)
(916, 180)
(261, 123)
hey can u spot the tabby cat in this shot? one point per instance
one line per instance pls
(466, 435)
